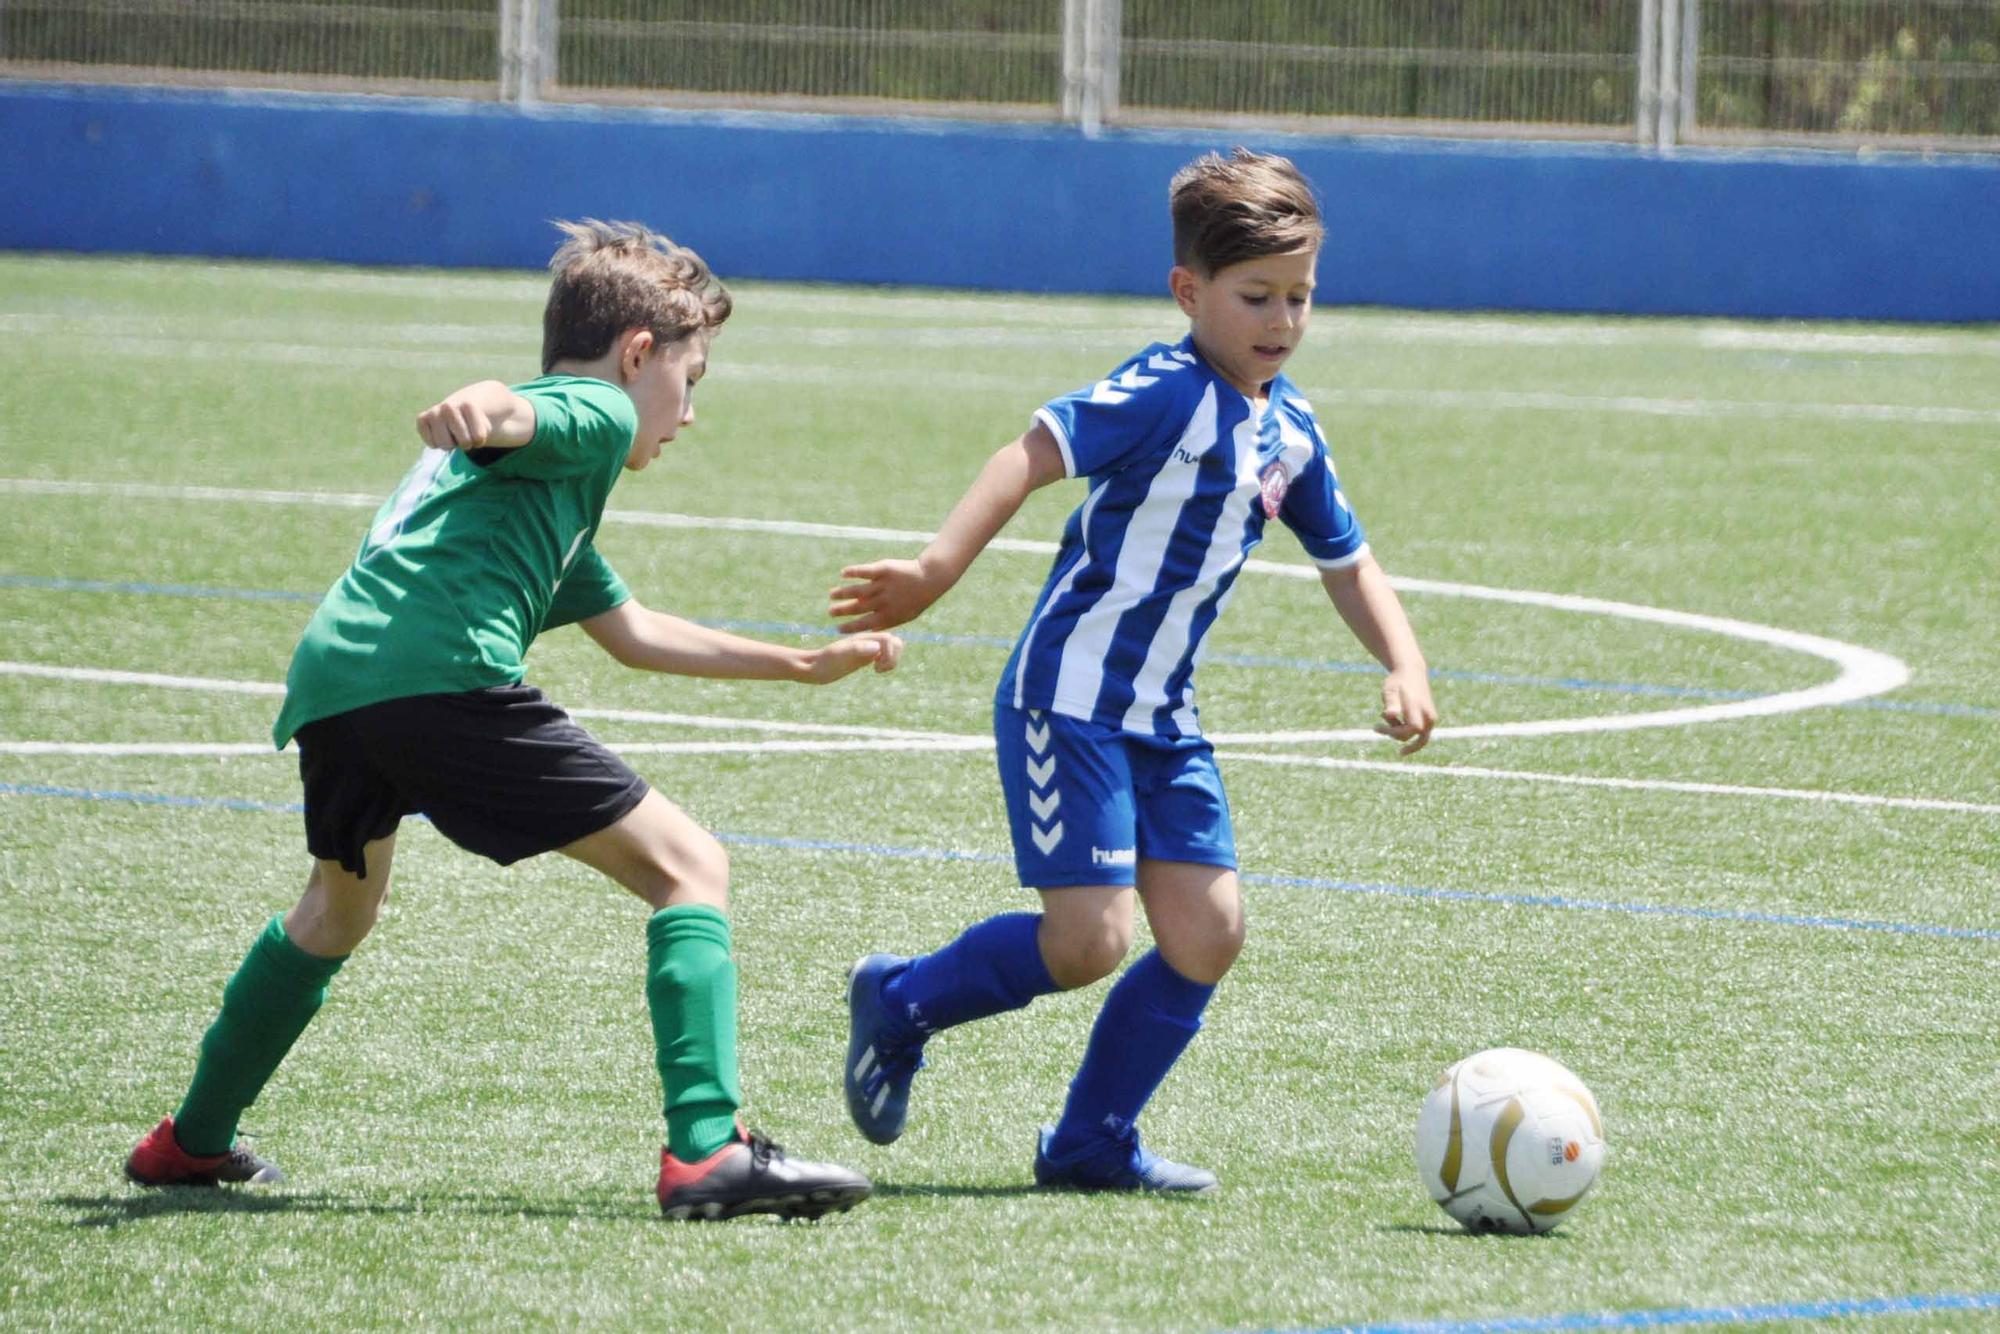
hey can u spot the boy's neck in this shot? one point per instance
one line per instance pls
(1259, 395)
(601, 368)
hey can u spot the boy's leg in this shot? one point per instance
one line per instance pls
(1147, 1021)
(1000, 964)
(659, 853)
(1067, 790)
(1008, 960)
(710, 1167)
(266, 1005)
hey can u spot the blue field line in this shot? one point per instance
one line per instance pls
(906, 853)
(150, 798)
(1926, 1304)
(741, 626)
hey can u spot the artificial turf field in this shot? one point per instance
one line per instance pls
(1769, 940)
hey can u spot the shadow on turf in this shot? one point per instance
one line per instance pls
(116, 1210)
(890, 1190)
(1446, 1230)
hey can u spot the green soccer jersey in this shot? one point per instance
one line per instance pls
(464, 565)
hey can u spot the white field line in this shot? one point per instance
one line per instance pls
(158, 680)
(217, 685)
(176, 749)
(1407, 768)
(1505, 401)
(1140, 317)
(1863, 672)
(859, 739)
(35, 486)
(335, 357)
(1027, 329)
(713, 723)
(234, 749)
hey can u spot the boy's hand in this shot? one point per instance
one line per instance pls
(851, 654)
(478, 416)
(890, 593)
(1408, 715)
(456, 422)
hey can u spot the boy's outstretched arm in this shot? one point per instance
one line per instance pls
(887, 593)
(485, 415)
(1362, 596)
(658, 642)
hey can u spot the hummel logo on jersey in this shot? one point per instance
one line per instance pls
(1114, 856)
(1185, 455)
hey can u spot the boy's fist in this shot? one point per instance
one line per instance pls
(853, 653)
(455, 422)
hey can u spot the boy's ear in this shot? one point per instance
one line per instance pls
(1185, 284)
(633, 350)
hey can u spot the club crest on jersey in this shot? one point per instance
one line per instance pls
(1272, 484)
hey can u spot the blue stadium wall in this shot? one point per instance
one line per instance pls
(1416, 223)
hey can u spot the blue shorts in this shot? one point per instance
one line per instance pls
(1086, 803)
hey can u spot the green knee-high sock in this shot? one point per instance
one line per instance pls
(691, 990)
(265, 1007)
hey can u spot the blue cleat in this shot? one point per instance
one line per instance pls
(1116, 1163)
(879, 1065)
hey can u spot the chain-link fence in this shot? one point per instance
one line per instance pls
(1507, 63)
(1853, 69)
(1924, 72)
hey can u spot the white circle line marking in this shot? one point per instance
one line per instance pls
(1863, 672)
(229, 749)
(217, 685)
(1406, 768)
(947, 743)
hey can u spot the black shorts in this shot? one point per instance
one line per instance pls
(501, 772)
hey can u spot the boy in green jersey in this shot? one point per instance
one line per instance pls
(405, 696)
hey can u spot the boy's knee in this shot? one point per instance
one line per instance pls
(1078, 955)
(694, 869)
(1202, 950)
(337, 910)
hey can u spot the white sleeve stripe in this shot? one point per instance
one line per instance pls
(1048, 419)
(1342, 562)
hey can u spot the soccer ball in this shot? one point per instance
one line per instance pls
(1509, 1141)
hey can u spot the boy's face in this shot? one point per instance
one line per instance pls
(660, 379)
(1249, 317)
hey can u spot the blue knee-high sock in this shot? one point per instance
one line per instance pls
(994, 966)
(1147, 1022)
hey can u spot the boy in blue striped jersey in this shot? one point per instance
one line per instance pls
(1189, 449)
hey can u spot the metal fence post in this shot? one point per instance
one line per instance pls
(1092, 35)
(1684, 123)
(1646, 106)
(1670, 82)
(527, 49)
(509, 72)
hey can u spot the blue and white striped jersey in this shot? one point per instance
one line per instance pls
(1184, 472)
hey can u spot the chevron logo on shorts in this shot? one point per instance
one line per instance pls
(1046, 833)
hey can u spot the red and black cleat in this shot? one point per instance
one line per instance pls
(751, 1175)
(161, 1161)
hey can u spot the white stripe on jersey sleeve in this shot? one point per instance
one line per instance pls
(1048, 419)
(1081, 676)
(1342, 562)
(1225, 550)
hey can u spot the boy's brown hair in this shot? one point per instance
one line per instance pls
(1244, 206)
(614, 276)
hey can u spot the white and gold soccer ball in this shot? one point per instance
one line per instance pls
(1509, 1141)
